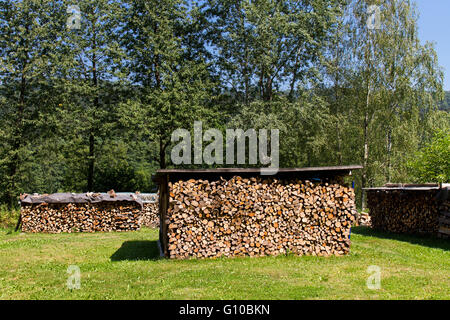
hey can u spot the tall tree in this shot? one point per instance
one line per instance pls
(173, 85)
(96, 58)
(29, 37)
(263, 47)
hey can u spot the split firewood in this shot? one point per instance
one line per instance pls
(403, 211)
(444, 220)
(363, 219)
(69, 212)
(150, 215)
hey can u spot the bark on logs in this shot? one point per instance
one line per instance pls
(404, 211)
(81, 217)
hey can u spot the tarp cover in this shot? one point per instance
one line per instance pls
(145, 197)
(148, 197)
(79, 198)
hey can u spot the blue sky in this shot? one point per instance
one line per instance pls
(434, 25)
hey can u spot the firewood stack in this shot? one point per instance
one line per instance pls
(79, 213)
(150, 209)
(150, 215)
(444, 220)
(258, 217)
(404, 211)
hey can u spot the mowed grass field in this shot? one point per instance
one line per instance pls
(127, 266)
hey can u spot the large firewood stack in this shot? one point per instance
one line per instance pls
(403, 211)
(82, 217)
(80, 213)
(258, 217)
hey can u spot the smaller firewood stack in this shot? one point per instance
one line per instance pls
(150, 209)
(80, 213)
(400, 212)
(410, 208)
(258, 217)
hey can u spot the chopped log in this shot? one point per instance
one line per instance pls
(363, 219)
(444, 220)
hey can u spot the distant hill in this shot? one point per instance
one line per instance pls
(445, 105)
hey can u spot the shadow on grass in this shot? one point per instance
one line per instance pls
(423, 240)
(137, 250)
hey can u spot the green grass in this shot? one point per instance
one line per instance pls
(127, 266)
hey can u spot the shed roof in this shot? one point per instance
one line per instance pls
(409, 187)
(310, 172)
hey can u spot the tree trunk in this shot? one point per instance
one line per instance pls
(162, 154)
(294, 79)
(366, 149)
(18, 131)
(90, 184)
(336, 101)
(268, 92)
(389, 150)
(16, 145)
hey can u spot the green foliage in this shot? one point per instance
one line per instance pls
(172, 80)
(266, 44)
(385, 88)
(93, 109)
(432, 163)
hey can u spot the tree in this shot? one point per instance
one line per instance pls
(92, 71)
(262, 46)
(445, 105)
(399, 84)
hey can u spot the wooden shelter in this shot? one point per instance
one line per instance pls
(291, 191)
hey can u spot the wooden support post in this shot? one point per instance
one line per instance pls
(19, 222)
(163, 206)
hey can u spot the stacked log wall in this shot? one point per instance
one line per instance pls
(404, 211)
(444, 220)
(256, 217)
(81, 217)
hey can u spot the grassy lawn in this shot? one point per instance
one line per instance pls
(127, 266)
